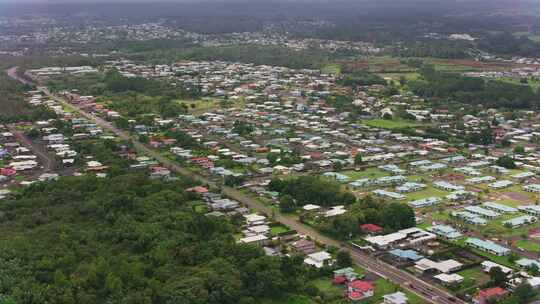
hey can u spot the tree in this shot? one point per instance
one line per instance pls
(398, 216)
(519, 150)
(402, 80)
(387, 116)
(358, 159)
(143, 138)
(33, 133)
(497, 277)
(506, 162)
(505, 142)
(524, 293)
(287, 204)
(343, 259)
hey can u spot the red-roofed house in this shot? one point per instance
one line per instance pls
(358, 290)
(7, 171)
(339, 280)
(485, 295)
(371, 228)
(198, 189)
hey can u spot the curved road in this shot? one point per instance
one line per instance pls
(429, 293)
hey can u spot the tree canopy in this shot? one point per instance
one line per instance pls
(129, 239)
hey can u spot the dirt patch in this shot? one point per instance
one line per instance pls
(452, 177)
(534, 233)
(516, 196)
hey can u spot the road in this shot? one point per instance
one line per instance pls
(429, 293)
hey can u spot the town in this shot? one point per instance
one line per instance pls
(164, 161)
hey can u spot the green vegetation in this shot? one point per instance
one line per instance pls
(506, 43)
(390, 123)
(334, 69)
(472, 91)
(361, 78)
(312, 190)
(269, 55)
(529, 245)
(14, 107)
(126, 240)
(367, 173)
(131, 97)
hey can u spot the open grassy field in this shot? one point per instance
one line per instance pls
(528, 245)
(379, 64)
(428, 192)
(325, 286)
(397, 76)
(275, 230)
(534, 83)
(390, 124)
(367, 173)
(334, 69)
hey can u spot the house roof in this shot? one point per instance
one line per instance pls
(361, 286)
(371, 228)
(491, 292)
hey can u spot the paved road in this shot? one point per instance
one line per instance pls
(429, 293)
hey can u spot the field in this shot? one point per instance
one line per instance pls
(531, 36)
(528, 245)
(367, 173)
(534, 83)
(334, 69)
(428, 192)
(472, 277)
(199, 105)
(379, 64)
(390, 124)
(275, 230)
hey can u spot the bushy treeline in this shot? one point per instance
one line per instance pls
(507, 44)
(472, 90)
(312, 190)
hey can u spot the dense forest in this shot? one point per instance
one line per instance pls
(129, 239)
(508, 44)
(296, 192)
(473, 91)
(13, 105)
(259, 55)
(313, 190)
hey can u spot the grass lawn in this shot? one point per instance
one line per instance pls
(528, 245)
(200, 105)
(397, 76)
(474, 275)
(390, 123)
(440, 216)
(428, 192)
(503, 260)
(367, 173)
(334, 69)
(275, 230)
(325, 286)
(384, 287)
